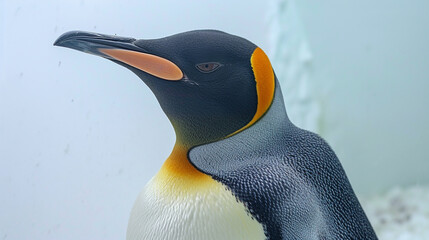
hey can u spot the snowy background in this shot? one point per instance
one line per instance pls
(80, 136)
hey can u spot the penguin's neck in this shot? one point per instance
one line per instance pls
(178, 170)
(178, 173)
(264, 137)
(178, 164)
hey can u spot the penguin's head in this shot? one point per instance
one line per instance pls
(210, 84)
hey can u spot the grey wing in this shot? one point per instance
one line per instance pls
(291, 182)
(276, 195)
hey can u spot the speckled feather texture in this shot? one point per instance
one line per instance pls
(290, 179)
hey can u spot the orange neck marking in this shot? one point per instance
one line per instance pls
(265, 85)
(177, 165)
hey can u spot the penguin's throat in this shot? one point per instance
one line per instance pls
(178, 164)
(178, 172)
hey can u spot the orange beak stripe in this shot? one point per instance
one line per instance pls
(154, 65)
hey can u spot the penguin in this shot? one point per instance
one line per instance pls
(240, 169)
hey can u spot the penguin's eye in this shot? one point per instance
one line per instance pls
(208, 67)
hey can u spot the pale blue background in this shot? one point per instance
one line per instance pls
(371, 71)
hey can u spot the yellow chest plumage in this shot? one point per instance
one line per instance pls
(182, 203)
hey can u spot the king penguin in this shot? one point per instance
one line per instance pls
(239, 168)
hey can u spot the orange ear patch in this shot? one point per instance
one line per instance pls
(152, 64)
(265, 84)
(264, 76)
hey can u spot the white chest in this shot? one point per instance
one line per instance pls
(171, 211)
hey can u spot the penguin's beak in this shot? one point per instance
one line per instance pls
(121, 49)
